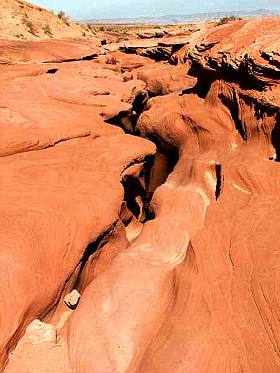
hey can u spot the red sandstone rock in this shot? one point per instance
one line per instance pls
(245, 51)
(186, 282)
(81, 92)
(47, 50)
(209, 325)
(56, 108)
(39, 350)
(158, 48)
(162, 79)
(187, 313)
(45, 183)
(123, 61)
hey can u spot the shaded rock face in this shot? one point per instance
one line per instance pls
(140, 204)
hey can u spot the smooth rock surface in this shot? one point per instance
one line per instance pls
(170, 235)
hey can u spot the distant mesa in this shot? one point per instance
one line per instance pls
(188, 18)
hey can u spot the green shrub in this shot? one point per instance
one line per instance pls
(225, 20)
(106, 28)
(30, 25)
(47, 30)
(64, 18)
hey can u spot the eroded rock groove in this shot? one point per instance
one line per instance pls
(143, 237)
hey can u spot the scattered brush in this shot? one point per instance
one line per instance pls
(30, 25)
(105, 28)
(225, 20)
(47, 30)
(64, 18)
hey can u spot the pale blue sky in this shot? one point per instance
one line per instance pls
(86, 9)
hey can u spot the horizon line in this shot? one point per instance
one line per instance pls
(182, 15)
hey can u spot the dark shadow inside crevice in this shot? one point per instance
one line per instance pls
(275, 138)
(90, 250)
(123, 120)
(232, 105)
(52, 71)
(136, 196)
(204, 80)
(173, 158)
(127, 120)
(164, 164)
(132, 189)
(241, 76)
(138, 107)
(218, 191)
(85, 58)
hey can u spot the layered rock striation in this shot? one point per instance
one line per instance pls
(140, 203)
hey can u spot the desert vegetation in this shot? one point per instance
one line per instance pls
(30, 25)
(225, 20)
(64, 17)
(47, 30)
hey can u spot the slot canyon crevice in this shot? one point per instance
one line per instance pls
(140, 202)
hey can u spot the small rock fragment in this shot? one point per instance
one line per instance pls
(72, 299)
(39, 332)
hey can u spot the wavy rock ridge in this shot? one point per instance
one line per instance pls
(140, 201)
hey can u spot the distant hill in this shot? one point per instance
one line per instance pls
(189, 18)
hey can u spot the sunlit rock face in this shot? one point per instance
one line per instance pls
(140, 201)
